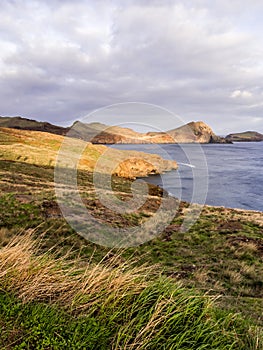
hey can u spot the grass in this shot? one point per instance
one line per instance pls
(60, 291)
(49, 303)
(220, 255)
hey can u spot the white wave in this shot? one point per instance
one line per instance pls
(190, 165)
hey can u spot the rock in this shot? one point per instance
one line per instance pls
(134, 167)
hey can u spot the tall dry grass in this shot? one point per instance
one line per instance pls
(41, 277)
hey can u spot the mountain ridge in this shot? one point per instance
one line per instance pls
(98, 133)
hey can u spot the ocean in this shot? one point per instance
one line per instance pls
(229, 175)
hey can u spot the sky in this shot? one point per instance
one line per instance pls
(201, 60)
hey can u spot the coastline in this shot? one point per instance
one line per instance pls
(221, 253)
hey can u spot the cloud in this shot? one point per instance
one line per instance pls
(242, 94)
(61, 59)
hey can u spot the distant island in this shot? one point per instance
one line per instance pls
(247, 136)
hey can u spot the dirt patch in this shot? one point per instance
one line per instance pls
(231, 226)
(51, 209)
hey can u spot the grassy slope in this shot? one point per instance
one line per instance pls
(35, 147)
(49, 303)
(42, 148)
(221, 255)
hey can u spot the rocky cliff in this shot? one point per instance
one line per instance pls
(247, 136)
(194, 132)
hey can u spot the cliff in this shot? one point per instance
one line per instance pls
(194, 132)
(247, 136)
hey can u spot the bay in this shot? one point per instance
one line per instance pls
(229, 175)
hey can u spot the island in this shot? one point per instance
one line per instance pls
(246, 136)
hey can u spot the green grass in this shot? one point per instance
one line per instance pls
(42, 326)
(47, 303)
(187, 323)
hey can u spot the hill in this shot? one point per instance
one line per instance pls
(246, 136)
(30, 124)
(194, 132)
(98, 133)
(41, 148)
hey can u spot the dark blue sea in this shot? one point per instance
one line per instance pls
(229, 175)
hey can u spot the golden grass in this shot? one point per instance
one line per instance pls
(41, 148)
(43, 278)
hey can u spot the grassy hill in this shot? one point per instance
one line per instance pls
(197, 290)
(41, 148)
(31, 124)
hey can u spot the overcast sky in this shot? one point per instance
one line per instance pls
(203, 60)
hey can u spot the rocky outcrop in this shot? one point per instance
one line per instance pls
(247, 136)
(139, 164)
(195, 132)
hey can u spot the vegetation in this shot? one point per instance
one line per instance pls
(197, 290)
(49, 303)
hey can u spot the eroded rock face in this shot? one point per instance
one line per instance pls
(133, 168)
(138, 167)
(247, 136)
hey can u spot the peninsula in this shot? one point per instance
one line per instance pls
(98, 133)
